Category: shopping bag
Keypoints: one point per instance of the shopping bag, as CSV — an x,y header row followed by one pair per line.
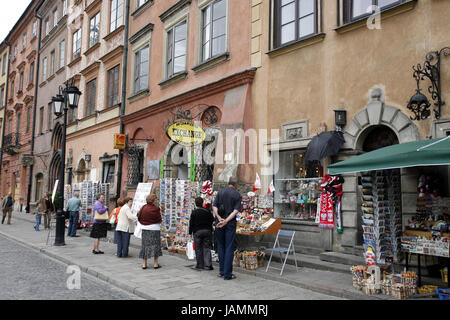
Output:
x,y
138,230
190,252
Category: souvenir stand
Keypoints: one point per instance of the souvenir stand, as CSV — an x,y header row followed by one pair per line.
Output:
x,y
88,191
427,233
255,219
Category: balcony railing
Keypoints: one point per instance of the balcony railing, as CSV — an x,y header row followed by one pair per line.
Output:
x,y
11,139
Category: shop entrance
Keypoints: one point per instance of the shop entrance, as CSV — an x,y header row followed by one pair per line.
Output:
x,y
373,138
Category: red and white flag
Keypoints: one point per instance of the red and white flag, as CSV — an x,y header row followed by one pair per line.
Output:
x,y
271,188
257,184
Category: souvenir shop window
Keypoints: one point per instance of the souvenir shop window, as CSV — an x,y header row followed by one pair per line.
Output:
x,y
297,185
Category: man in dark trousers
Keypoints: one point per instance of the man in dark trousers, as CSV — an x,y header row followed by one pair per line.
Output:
x,y
7,207
226,205
200,225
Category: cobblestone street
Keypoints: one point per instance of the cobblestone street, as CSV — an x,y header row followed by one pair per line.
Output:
x,y
28,275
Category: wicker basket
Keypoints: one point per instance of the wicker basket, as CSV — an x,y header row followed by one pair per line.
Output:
x,y
237,258
260,256
251,261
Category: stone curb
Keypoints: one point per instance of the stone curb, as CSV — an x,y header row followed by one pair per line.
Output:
x,y
340,293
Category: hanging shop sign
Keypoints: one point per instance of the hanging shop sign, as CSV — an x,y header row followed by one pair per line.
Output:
x,y
186,133
119,141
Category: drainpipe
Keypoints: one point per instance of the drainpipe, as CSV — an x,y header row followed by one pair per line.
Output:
x,y
5,107
36,87
124,93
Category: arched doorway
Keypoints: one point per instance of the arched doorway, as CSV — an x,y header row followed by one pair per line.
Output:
x,y
81,171
54,170
379,137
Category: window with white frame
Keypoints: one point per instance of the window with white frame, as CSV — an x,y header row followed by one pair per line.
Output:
x,y
91,94
176,49
62,52
141,69
21,82
140,3
24,41
64,7
214,29
31,77
94,30
47,26
34,32
15,52
44,69
357,9
55,18
76,48
116,14
52,62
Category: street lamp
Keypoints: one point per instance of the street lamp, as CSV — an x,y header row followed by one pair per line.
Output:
x,y
68,97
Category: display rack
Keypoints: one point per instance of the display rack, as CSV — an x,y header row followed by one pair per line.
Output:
x,y
297,198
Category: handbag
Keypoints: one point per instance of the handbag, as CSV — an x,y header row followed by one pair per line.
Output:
x,y
138,230
101,216
190,252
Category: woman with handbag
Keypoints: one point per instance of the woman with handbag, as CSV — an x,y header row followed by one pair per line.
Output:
x,y
150,218
100,227
124,229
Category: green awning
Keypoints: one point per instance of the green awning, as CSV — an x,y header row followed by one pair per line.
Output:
x,y
435,152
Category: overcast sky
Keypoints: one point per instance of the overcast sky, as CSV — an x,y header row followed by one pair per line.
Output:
x,y
10,12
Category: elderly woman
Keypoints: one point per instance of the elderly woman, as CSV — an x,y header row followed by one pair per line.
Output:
x,y
100,227
150,218
124,228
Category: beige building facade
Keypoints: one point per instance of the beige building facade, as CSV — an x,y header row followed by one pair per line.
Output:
x,y
4,55
95,56
313,57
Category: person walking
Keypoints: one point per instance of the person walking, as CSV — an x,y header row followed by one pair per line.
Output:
x,y
7,207
200,226
150,218
100,227
38,214
48,208
125,227
73,207
225,207
113,218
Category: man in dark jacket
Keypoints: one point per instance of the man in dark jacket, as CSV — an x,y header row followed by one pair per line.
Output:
x,y
7,207
200,225
226,206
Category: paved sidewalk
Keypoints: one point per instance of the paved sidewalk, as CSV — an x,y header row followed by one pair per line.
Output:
x,y
177,279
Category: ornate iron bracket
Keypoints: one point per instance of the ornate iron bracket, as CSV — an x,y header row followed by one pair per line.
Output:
x,y
431,70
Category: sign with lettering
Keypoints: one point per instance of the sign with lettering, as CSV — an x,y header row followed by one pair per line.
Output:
x,y
186,133
119,141
140,197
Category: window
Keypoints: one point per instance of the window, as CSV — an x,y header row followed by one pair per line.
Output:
x,y
21,82
108,172
94,30
52,62
49,117
141,69
9,126
15,52
116,14
91,92
19,119
176,49
4,64
76,50
31,73
2,96
34,33
41,120
140,3
356,9
62,52
24,41
44,69
55,18
64,8
27,129
72,113
294,20
47,26
214,29
11,93
113,86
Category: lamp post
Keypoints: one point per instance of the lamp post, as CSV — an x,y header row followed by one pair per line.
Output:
x,y
67,97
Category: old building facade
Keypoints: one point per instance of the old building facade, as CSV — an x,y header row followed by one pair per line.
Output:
x,y
22,83
95,60
4,56
314,57
52,15
188,60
